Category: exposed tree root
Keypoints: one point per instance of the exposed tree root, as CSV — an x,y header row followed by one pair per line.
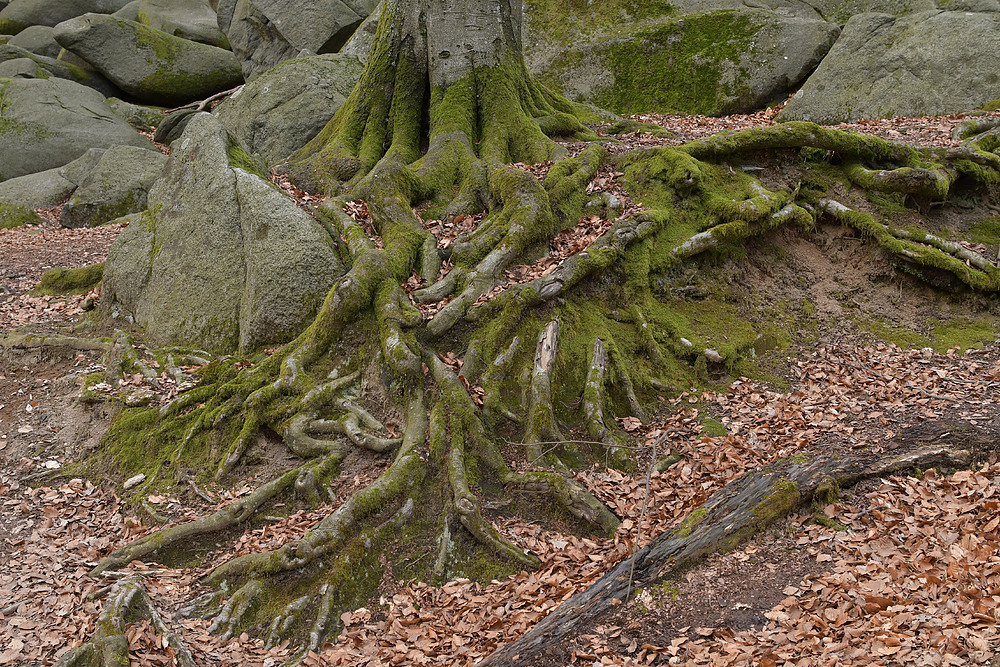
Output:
x,y
127,603
542,426
730,516
239,512
29,341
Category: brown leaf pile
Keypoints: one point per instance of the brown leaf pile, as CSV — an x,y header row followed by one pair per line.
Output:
x,y
916,582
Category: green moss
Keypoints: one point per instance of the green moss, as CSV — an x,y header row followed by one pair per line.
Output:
x,y
11,27
783,498
679,66
713,428
16,215
240,159
993,105
692,520
565,22
962,333
986,231
899,336
70,281
667,588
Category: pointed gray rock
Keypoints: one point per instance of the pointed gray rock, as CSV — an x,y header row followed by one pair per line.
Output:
x,y
116,187
254,267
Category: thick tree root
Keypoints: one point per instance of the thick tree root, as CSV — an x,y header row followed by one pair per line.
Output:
x,y
921,249
593,406
28,341
239,512
127,603
404,473
542,426
730,516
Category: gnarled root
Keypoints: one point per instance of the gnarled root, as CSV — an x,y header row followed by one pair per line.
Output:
x,y
127,603
240,511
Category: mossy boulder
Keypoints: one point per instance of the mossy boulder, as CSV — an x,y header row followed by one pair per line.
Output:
x,y
15,215
149,64
46,67
263,33
116,187
882,66
47,123
254,266
710,63
20,14
280,111
188,19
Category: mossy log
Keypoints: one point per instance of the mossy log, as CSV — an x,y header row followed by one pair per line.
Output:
x,y
729,517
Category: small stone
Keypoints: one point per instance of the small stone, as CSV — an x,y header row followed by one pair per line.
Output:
x,y
133,482
686,343
713,356
51,465
88,304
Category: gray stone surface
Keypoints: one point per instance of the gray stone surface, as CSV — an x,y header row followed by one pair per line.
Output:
x,y
930,63
20,14
50,122
253,266
729,61
38,39
277,113
361,41
141,117
116,187
150,64
189,19
263,33
46,67
42,190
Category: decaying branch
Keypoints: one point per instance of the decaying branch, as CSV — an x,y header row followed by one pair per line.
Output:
x,y
730,516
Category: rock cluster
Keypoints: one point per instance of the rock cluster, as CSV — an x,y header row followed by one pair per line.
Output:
x,y
78,78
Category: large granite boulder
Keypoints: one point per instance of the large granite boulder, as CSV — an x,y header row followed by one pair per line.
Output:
x,y
277,113
51,187
263,33
727,61
150,64
188,19
882,66
116,186
221,258
20,14
43,67
47,123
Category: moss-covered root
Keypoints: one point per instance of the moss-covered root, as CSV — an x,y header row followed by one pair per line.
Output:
x,y
920,248
239,512
542,426
404,475
917,181
447,434
531,214
237,608
567,492
495,375
127,603
593,405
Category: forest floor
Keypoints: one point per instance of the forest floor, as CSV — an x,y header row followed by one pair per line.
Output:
x,y
902,571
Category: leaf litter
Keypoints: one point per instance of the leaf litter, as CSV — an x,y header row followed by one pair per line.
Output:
x,y
915,578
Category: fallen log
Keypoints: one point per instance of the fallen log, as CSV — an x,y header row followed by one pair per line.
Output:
x,y
729,517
